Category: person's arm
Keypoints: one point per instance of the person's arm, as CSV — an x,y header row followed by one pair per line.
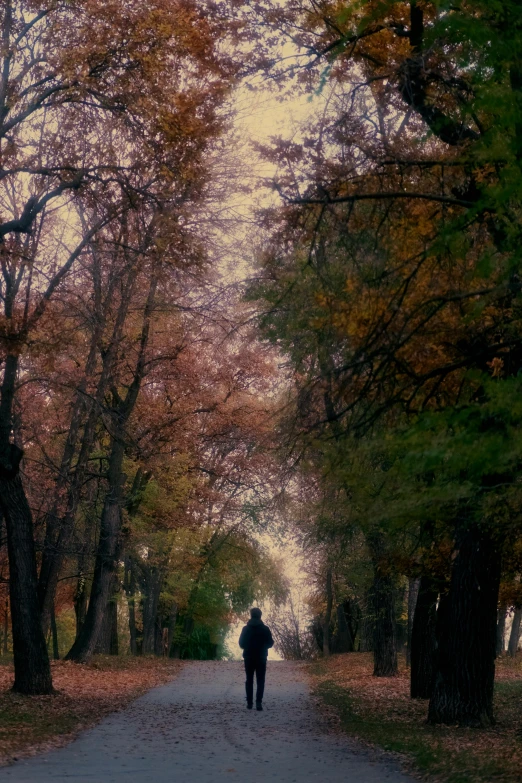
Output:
x,y
242,638
269,638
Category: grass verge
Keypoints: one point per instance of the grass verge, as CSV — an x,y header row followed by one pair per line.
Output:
x,y
380,712
84,695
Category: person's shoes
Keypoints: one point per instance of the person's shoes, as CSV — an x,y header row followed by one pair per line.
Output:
x,y
249,705
259,706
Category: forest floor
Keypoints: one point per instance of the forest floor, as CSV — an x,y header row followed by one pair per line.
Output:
x,y
197,728
380,712
84,695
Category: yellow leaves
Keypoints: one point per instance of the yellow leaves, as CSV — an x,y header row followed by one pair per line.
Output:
x,y
496,366
484,172
424,226
350,285
318,323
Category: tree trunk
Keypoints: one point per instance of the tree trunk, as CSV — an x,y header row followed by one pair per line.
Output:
x,y
413,592
129,585
183,638
366,632
80,603
59,529
158,637
54,636
514,636
113,625
172,627
465,668
31,660
103,642
107,643
328,614
110,527
151,594
106,558
344,641
5,649
423,639
133,645
384,643
501,628
188,627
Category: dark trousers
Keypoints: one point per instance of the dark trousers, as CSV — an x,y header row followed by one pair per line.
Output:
x,y
255,666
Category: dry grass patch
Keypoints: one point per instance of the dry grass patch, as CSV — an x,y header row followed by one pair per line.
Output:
x,y
84,695
380,711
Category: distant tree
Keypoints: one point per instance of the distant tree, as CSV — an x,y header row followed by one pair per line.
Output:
x,y
290,626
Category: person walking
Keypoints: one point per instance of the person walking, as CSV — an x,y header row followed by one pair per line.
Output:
x,y
255,641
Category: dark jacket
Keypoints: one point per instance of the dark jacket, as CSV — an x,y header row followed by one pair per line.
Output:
x,y
255,639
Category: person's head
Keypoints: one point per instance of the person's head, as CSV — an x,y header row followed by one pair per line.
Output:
x,y
255,613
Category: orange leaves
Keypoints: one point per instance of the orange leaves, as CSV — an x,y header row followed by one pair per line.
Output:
x,y
382,713
85,694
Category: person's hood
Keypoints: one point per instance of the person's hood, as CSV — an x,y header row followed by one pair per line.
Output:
x,y
255,621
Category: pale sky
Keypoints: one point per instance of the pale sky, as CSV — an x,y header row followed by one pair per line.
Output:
x,y
260,117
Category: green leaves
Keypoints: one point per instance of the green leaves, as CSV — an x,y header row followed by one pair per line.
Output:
x,y
428,467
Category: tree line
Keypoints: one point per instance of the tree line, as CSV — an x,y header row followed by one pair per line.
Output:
x,y
132,411
390,279
387,277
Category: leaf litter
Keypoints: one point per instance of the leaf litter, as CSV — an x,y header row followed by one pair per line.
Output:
x,y
379,710
84,695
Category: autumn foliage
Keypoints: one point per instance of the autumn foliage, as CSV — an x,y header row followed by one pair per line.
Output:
x,y
158,415
136,405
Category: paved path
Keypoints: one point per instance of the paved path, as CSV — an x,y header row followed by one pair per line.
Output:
x,y
197,730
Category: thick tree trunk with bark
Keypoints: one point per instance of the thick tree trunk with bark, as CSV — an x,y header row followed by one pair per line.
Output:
x,y
384,643
423,639
465,669
382,604
107,643
85,644
514,636
103,643
31,660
